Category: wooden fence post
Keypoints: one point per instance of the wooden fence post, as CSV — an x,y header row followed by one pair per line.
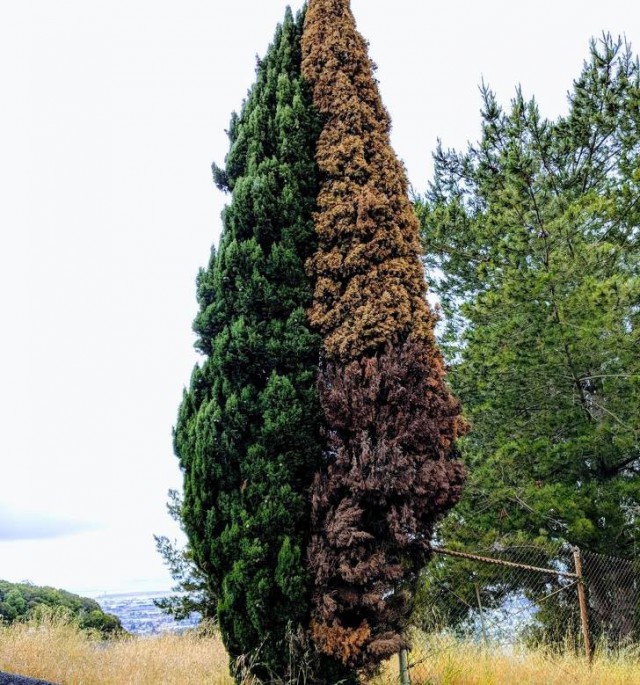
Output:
x,y
582,599
404,667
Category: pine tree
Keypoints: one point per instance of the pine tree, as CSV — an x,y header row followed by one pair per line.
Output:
x,y
389,470
248,428
535,232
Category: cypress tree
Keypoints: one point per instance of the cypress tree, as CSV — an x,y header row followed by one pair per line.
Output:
x,y
247,434
389,470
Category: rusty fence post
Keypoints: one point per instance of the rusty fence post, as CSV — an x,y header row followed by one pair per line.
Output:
x,y
404,667
582,599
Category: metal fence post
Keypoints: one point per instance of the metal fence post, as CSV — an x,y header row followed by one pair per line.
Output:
x,y
582,598
404,667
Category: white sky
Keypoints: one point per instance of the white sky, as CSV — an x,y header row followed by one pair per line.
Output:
x,y
111,115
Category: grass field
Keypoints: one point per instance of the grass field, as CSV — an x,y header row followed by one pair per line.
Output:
x,y
445,661
55,650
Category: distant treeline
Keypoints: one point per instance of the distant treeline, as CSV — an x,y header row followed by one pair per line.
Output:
x,y
20,601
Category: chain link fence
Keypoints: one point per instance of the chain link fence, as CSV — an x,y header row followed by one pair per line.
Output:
x,y
525,596
613,591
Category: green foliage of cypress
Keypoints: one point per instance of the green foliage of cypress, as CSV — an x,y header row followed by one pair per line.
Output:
x,y
247,434
194,593
535,232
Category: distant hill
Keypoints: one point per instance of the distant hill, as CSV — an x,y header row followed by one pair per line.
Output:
x,y
21,600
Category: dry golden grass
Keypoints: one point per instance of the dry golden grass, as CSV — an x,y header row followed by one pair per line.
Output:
x,y
55,650
445,661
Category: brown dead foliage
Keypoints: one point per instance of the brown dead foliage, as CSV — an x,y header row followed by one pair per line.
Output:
x,y
388,477
370,285
342,643
390,470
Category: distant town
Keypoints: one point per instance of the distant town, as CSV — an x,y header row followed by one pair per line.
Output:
x,y
140,616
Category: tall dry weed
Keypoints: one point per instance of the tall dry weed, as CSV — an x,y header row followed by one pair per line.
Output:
x,y
53,648
447,661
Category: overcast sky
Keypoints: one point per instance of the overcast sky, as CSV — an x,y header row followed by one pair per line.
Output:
x,y
111,115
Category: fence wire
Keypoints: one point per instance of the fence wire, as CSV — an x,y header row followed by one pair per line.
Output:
x,y
526,596
613,593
